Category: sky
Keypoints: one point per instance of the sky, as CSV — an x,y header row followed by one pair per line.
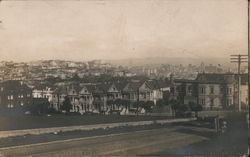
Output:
x,y
108,29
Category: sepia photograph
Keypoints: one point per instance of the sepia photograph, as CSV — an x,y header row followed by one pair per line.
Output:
x,y
83,78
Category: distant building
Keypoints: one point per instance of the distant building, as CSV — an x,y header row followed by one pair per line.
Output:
x,y
58,97
43,92
14,94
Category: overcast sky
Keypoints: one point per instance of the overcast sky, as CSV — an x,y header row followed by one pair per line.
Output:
x,y
109,29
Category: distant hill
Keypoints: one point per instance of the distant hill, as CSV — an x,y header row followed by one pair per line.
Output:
x,y
171,60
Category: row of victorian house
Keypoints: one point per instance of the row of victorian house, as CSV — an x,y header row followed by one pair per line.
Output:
x,y
83,97
210,90
96,97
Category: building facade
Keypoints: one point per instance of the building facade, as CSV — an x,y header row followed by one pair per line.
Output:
x,y
212,91
14,94
97,97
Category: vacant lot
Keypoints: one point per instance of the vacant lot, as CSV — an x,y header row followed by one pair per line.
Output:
x,y
31,122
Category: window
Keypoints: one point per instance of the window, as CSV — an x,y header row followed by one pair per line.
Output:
x,y
21,103
10,97
1,89
212,90
202,101
28,95
229,90
202,90
10,105
21,95
212,101
221,89
229,102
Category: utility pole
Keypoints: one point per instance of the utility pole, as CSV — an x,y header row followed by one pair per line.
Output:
x,y
248,32
239,59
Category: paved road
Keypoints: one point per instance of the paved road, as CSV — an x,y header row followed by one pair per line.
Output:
x,y
233,142
142,142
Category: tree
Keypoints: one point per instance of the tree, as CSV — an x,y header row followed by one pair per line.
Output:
x,y
66,104
138,104
195,107
126,104
118,102
148,106
110,103
182,110
160,103
174,105
39,106
179,109
98,105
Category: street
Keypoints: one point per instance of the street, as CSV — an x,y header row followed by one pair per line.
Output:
x,y
178,139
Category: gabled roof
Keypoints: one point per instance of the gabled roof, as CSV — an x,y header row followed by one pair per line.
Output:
x,y
133,86
157,84
90,88
14,85
121,85
103,87
76,88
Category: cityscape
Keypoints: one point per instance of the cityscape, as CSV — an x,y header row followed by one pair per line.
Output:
x,y
124,78
92,86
